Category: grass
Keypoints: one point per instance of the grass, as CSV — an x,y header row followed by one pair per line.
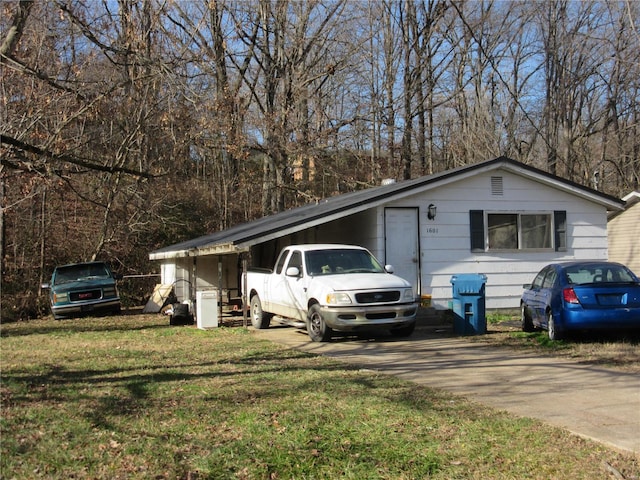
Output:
x,y
616,350
132,397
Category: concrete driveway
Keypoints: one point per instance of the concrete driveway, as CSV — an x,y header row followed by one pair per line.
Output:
x,y
590,401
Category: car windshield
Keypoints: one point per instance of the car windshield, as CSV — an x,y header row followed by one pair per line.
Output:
x,y
73,273
338,261
598,273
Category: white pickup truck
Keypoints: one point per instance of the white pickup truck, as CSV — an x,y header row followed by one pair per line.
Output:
x,y
331,287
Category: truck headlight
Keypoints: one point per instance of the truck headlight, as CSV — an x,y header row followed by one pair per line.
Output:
x,y
409,295
109,292
60,297
338,299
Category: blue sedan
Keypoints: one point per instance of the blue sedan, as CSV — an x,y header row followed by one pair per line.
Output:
x,y
575,296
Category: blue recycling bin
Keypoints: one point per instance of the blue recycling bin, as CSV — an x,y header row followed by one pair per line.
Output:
x,y
469,304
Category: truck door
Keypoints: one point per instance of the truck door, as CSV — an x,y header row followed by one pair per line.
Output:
x,y
286,292
273,289
295,288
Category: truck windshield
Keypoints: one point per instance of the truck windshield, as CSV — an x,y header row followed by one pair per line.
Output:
x,y
338,261
73,273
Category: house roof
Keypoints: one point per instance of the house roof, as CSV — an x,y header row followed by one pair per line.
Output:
x,y
241,237
630,199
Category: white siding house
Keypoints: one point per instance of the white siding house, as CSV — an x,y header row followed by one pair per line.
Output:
x,y
505,201
500,218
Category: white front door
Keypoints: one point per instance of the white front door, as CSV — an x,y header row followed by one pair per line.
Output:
x,y
402,244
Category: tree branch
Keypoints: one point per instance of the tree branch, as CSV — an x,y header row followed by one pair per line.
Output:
x,y
28,148
15,31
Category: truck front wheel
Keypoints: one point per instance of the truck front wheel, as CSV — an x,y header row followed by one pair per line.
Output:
x,y
259,319
316,327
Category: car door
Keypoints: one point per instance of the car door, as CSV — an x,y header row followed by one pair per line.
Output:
x,y
546,293
536,298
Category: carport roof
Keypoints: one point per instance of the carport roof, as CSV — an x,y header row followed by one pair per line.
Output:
x,y
241,237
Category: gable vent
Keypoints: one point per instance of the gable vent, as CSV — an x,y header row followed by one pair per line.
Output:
x,y
496,186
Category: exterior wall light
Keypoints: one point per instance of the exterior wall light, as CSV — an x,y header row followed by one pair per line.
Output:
x,y
431,212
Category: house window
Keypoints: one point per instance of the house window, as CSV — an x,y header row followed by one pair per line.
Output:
x,y
517,231
503,231
535,230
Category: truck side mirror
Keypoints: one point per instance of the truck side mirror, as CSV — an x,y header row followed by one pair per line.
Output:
x,y
388,268
292,272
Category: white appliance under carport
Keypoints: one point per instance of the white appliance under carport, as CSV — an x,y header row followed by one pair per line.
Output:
x,y
207,309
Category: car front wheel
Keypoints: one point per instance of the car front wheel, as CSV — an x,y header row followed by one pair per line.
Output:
x,y
317,329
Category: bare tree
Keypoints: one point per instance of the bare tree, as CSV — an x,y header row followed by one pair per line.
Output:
x,y
82,131
408,27
432,60
7,49
203,30
391,56
620,141
290,56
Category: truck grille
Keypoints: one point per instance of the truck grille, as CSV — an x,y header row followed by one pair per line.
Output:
x,y
85,295
378,297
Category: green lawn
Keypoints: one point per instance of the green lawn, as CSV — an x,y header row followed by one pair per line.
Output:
x,y
132,397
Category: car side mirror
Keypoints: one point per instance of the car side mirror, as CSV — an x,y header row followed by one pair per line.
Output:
x,y
388,268
527,286
292,272
118,276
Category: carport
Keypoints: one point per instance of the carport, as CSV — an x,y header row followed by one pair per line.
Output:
x,y
219,261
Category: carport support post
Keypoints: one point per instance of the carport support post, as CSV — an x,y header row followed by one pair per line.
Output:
x,y
245,300
220,288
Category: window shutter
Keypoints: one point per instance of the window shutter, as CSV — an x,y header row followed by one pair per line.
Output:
x,y
476,223
560,225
